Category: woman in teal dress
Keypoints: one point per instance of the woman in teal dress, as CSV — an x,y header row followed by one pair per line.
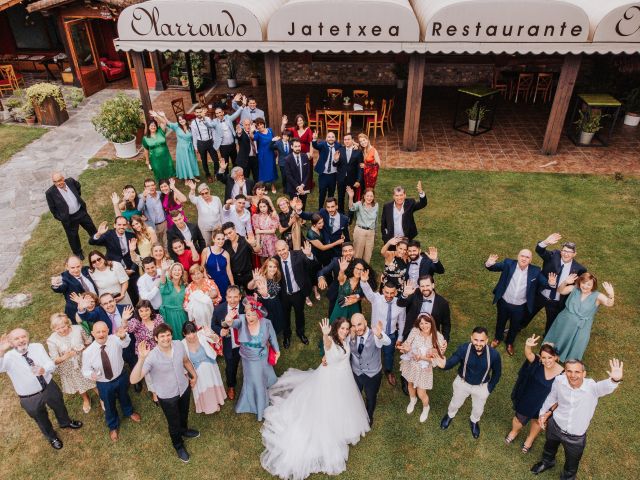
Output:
x,y
571,329
186,162
349,292
156,152
172,291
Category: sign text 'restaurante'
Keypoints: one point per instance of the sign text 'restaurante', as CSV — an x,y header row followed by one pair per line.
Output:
x,y
502,32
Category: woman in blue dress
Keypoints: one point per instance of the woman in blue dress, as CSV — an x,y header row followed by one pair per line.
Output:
x,y
186,162
217,263
571,329
263,137
256,337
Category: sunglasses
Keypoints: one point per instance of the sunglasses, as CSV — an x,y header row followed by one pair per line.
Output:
x,y
96,260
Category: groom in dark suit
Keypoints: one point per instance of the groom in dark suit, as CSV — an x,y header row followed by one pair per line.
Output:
x,y
297,170
350,169
230,346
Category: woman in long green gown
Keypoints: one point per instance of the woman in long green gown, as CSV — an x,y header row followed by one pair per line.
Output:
x,y
156,152
172,290
571,329
186,161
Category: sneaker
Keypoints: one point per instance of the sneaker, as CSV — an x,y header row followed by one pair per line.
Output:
x,y
182,454
424,414
412,404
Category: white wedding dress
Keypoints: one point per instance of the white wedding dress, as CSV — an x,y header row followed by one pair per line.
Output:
x,y
313,417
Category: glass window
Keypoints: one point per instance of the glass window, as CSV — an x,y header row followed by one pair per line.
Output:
x,y
33,31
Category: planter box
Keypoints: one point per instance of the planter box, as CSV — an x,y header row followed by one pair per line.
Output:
x,y
49,113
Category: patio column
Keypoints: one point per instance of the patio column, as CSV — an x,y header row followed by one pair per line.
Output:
x,y
414,102
143,88
561,100
157,69
274,91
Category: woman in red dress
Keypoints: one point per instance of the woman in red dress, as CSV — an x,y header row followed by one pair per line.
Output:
x,y
305,135
371,161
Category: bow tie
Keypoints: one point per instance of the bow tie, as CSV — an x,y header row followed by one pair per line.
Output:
x,y
252,111
414,263
427,300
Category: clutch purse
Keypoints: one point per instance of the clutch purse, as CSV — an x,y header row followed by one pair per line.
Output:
x,y
271,357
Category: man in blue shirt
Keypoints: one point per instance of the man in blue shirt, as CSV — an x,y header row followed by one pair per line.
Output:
x,y
479,370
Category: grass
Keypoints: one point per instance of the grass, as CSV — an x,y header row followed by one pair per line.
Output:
x,y
470,214
14,138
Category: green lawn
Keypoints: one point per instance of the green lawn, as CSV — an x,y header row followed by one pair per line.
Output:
x,y
14,138
470,214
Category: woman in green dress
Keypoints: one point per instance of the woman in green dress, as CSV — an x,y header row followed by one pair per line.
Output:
x,y
156,152
172,291
349,292
571,329
186,161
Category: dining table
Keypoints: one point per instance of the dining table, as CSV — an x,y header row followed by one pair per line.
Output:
x,y
348,110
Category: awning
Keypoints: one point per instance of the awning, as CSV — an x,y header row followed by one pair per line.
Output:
x,y
4,4
47,4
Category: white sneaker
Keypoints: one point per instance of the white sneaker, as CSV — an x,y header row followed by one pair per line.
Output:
x,y
412,404
424,414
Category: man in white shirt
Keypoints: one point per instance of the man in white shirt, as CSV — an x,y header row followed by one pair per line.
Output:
x,y
239,215
31,371
149,283
567,412
150,204
203,137
385,309
102,362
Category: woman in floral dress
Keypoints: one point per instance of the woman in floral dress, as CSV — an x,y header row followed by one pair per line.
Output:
x,y
265,225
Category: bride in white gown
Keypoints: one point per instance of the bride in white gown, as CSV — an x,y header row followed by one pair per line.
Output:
x,y
315,414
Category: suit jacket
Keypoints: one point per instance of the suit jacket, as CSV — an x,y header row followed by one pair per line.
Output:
x,y
111,242
216,126
196,237
244,149
427,267
323,154
278,147
352,171
57,205
330,273
408,222
292,172
300,265
440,312
229,183
508,266
71,285
219,314
552,262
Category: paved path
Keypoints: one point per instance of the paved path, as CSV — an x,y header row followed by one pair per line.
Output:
x,y
27,175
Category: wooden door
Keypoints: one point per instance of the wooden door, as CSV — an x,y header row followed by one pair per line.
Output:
x,y
84,55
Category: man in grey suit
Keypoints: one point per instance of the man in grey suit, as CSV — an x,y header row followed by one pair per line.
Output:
x,y
366,364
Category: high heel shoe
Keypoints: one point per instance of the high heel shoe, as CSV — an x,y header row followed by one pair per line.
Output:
x,y
86,407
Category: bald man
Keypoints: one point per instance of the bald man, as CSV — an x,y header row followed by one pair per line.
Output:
x,y
31,370
514,295
68,207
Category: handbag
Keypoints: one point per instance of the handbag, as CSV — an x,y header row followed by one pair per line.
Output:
x,y
271,357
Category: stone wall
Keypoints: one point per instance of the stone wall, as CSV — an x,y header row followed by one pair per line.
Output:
x,y
456,74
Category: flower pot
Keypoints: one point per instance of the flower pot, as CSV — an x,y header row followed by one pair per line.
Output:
x,y
127,149
586,137
232,82
473,124
31,120
632,119
185,82
5,115
400,83
49,112
255,81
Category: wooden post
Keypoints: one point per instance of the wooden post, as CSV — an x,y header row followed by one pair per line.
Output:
x,y
561,99
192,87
157,69
414,102
143,88
274,91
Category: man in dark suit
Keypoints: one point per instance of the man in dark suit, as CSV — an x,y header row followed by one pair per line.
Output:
x,y
297,170
232,307
562,263
185,231
397,216
75,279
282,148
350,169
295,287
514,294
118,243
325,167
247,152
235,183
422,298
422,264
68,207
336,225
328,275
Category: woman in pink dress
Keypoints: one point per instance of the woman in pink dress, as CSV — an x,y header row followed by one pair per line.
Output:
x,y
265,225
172,199
372,161
305,135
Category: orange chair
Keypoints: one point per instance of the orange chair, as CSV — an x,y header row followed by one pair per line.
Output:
x,y
314,121
543,86
360,95
378,123
498,83
524,85
334,93
389,119
9,79
333,122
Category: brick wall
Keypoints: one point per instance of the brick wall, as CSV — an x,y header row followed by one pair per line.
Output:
x,y
455,74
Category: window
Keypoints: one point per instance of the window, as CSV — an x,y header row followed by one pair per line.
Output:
x,y
33,31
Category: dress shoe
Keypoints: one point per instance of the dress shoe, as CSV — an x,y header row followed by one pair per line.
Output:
x,y
510,350
495,343
405,387
231,393
303,339
135,417
475,428
391,378
210,180
113,435
541,467
56,443
81,257
191,433
137,387
286,343
182,454
73,424
425,413
445,422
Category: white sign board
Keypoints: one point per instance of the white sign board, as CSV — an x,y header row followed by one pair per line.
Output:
x,y
620,25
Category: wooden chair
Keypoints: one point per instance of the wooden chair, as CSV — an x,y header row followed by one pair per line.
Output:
x,y
9,79
314,121
499,84
334,93
202,99
543,86
177,106
389,119
374,124
333,122
524,85
360,96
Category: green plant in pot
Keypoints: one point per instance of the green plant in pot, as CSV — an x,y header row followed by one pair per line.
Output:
x,y
184,79
48,102
476,113
255,66
118,121
232,69
26,113
589,124
632,107
401,71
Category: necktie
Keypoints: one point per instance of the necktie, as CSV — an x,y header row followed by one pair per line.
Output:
x,y
287,277
299,163
554,290
388,329
361,346
253,148
348,154
112,317
331,219
41,380
234,310
286,148
85,287
106,363
123,245
327,168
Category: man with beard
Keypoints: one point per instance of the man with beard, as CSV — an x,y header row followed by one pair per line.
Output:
x,y
325,167
479,370
422,264
329,275
240,253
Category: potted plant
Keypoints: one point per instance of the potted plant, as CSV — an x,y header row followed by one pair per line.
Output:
x,y
118,120
255,65
13,105
632,108
26,113
232,70
475,115
184,80
48,103
588,125
401,71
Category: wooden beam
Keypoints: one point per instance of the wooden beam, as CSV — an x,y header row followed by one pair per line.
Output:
x,y
561,100
414,102
192,87
157,69
274,90
143,88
